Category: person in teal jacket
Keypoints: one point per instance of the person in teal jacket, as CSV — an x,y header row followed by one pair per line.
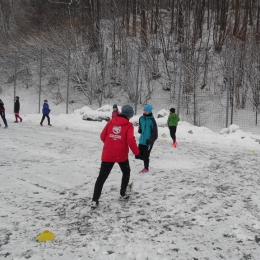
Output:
x,y
149,133
172,122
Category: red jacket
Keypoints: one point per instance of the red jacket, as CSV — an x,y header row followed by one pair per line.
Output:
x,y
115,113
117,136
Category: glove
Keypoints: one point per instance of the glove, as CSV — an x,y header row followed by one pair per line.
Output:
x,y
139,130
138,156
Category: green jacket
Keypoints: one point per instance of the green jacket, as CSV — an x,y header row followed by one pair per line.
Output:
x,y
173,119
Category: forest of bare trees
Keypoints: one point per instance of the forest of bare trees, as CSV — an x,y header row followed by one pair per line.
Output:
x,y
198,29
83,22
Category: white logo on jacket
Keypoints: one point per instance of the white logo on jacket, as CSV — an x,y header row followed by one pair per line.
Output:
x,y
116,130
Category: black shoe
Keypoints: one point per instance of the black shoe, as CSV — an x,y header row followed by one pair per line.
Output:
x,y
124,198
94,204
21,120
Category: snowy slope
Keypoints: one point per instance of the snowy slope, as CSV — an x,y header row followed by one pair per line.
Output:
x,y
199,201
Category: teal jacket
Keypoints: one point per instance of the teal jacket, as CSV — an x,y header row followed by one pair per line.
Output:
x,y
147,129
173,119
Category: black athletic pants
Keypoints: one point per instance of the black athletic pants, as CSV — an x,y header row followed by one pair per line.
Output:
x,y
173,132
145,151
43,117
105,169
3,117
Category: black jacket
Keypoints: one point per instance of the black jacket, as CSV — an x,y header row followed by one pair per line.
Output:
x,y
2,108
17,106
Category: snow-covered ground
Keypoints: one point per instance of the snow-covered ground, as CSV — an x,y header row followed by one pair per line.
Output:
x,y
199,201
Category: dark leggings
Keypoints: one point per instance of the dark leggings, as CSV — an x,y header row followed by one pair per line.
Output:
x,y
43,117
3,117
145,151
105,169
173,132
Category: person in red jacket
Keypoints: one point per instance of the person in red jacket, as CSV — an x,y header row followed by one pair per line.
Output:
x,y
118,136
115,111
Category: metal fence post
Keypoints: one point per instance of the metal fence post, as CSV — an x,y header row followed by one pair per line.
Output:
x,y
68,84
137,79
103,78
229,82
179,94
15,72
40,82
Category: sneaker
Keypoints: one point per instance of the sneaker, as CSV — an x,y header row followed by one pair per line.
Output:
x,y
144,170
15,121
41,125
124,198
50,125
21,120
174,144
6,126
94,204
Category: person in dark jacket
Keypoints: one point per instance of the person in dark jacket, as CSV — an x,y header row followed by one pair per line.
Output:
x,y
115,111
17,110
149,133
172,123
2,113
117,136
45,112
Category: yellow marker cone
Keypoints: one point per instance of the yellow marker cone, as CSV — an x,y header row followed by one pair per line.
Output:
x,y
45,236
253,151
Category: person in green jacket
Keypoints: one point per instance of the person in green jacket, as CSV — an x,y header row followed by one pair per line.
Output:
x,y
172,122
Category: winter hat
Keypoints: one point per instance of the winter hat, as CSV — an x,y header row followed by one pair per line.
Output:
x,y
17,97
172,110
115,106
148,108
127,111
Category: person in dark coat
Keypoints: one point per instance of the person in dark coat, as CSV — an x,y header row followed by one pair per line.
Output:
x,y
2,113
17,110
149,133
45,112
115,111
117,136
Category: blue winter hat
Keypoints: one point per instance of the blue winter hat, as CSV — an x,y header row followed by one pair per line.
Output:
x,y
148,108
127,111
115,106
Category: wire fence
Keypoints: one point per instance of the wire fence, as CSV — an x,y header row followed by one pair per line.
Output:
x,y
207,88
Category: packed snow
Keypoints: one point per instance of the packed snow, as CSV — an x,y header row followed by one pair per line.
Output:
x,y
199,201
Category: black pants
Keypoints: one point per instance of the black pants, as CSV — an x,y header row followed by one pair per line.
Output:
x,y
105,169
43,117
173,132
3,117
145,151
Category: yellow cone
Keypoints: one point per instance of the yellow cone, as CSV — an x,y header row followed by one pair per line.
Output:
x,y
45,236
253,151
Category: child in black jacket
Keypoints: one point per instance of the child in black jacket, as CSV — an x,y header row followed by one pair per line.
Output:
x,y
2,113
17,109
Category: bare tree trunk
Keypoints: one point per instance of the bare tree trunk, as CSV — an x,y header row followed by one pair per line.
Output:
x,y
180,21
144,42
134,17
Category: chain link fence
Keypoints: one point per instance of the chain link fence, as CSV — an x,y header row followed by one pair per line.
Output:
x,y
207,88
